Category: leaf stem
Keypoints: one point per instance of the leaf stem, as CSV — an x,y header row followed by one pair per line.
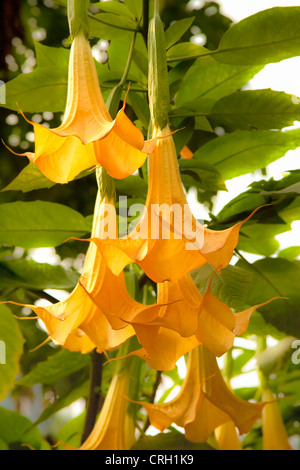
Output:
x,y
113,100
129,60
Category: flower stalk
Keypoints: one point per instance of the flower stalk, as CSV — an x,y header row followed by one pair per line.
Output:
x,y
78,17
159,95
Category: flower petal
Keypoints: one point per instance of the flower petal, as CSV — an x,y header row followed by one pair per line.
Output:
x,y
227,437
162,347
274,433
111,429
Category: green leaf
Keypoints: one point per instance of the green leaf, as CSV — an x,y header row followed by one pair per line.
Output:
x,y
3,445
275,277
177,30
16,428
62,402
47,56
118,54
255,109
71,432
136,6
11,349
116,20
293,189
268,36
243,203
140,107
242,152
272,358
110,26
132,186
241,360
259,238
202,175
44,89
231,286
57,366
291,212
211,80
39,224
115,7
290,253
260,327
29,179
32,275
169,441
262,192
185,51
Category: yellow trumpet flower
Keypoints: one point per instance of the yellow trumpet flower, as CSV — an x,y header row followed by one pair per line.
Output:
x,y
88,136
204,402
168,241
91,316
183,320
227,437
114,428
274,433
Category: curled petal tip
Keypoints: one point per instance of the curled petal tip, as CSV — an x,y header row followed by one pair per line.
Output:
x,y
29,155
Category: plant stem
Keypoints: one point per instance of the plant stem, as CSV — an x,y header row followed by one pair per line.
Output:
x,y
261,346
43,295
94,401
129,59
145,20
113,100
152,398
228,366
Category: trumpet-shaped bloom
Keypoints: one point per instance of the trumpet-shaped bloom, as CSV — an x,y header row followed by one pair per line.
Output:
x,y
168,241
204,402
80,323
87,136
184,320
114,428
274,433
227,437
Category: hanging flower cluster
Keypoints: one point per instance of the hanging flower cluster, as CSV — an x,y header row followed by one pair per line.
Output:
x,y
167,243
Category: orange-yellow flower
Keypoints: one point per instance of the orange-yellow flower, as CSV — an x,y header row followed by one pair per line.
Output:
x,y
227,437
274,433
204,402
78,323
184,319
88,136
114,428
168,241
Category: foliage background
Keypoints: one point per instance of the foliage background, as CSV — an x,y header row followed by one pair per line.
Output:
x,y
232,133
